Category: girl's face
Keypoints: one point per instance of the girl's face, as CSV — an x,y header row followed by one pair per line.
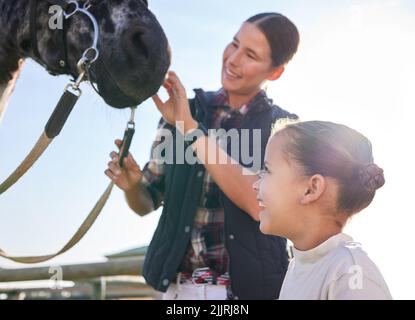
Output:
x,y
279,191
247,61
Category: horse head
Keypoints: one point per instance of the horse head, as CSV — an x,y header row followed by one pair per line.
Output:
x,y
133,49
117,44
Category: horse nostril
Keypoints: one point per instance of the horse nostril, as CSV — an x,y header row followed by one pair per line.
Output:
x,y
137,39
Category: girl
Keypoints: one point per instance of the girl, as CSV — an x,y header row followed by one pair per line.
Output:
x,y
316,176
206,243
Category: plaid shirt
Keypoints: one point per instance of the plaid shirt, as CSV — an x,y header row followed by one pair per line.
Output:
x,y
207,245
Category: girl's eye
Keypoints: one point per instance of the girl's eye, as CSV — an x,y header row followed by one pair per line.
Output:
x,y
251,56
234,44
266,169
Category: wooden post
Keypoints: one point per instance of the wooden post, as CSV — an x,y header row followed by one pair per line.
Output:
x,y
113,267
99,289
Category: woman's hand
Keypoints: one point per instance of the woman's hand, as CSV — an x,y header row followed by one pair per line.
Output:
x,y
126,177
176,110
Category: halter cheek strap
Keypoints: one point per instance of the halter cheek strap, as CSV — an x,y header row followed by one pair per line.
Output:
x,y
62,65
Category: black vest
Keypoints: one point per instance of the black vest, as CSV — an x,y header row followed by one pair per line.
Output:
x,y
257,262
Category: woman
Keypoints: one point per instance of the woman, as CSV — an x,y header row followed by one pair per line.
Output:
x,y
208,244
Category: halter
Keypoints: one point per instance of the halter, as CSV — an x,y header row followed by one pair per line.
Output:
x,y
69,8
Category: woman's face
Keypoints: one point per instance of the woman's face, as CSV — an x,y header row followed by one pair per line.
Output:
x,y
279,191
246,61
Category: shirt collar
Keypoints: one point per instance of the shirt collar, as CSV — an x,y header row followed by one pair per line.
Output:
x,y
221,98
315,254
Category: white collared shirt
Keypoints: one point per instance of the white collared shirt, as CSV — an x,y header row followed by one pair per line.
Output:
x,y
337,269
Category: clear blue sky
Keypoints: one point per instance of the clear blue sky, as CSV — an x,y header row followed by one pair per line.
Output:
x,y
355,65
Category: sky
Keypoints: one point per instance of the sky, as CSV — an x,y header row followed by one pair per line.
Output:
x,y
354,66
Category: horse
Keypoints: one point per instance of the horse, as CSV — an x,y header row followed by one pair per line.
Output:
x,y
133,48
118,45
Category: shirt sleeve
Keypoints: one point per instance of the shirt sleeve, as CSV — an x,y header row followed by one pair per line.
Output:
x,y
153,171
347,288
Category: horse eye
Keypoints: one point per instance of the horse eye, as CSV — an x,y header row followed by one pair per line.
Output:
x,y
145,2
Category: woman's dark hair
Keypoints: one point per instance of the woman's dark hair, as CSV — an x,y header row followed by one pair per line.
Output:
x,y
336,151
282,35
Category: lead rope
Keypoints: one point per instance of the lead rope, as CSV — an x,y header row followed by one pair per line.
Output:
x,y
92,216
66,102
52,129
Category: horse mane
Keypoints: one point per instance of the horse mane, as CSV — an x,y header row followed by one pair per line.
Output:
x,y
6,90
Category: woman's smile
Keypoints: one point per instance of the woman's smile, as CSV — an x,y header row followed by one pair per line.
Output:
x,y
231,75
